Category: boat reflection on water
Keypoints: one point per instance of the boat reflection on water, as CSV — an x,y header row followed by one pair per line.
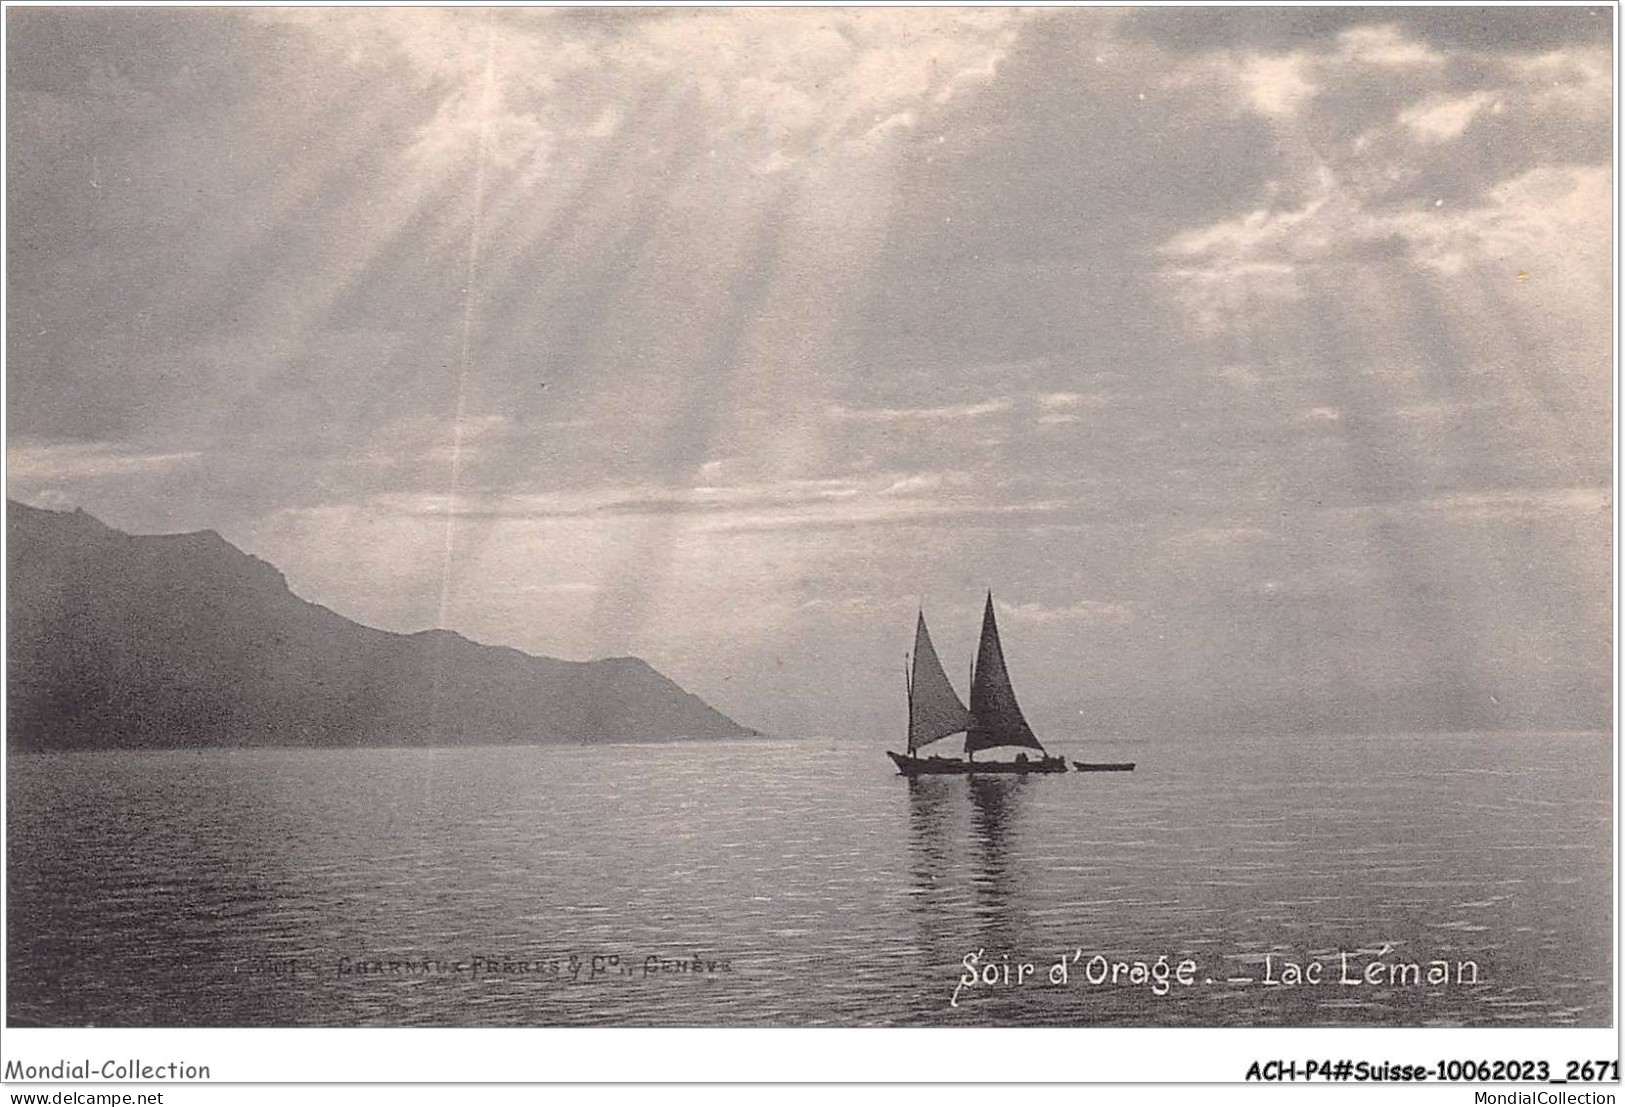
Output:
x,y
996,806
961,868
931,805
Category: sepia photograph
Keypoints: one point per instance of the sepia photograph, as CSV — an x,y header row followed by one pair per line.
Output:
x,y
788,517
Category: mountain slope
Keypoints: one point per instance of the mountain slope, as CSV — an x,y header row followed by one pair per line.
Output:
x,y
184,640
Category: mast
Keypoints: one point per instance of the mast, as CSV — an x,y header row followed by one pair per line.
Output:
x,y
908,690
970,753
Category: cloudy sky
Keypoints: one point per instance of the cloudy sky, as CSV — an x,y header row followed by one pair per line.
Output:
x,y
1259,361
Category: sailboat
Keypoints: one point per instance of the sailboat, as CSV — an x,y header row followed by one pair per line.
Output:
x,y
992,721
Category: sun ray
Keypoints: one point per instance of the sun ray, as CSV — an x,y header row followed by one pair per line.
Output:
x,y
308,183
465,353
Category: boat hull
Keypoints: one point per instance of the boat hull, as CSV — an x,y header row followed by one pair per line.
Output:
x,y
1103,766
945,766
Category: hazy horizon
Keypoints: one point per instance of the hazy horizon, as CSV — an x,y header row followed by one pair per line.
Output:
x,y
1258,360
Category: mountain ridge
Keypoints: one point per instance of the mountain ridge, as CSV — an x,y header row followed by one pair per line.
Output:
x,y
119,640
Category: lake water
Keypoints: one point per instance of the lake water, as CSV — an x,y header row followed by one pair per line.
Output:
x,y
812,884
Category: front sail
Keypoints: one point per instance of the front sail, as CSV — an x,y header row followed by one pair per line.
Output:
x,y
998,719
934,708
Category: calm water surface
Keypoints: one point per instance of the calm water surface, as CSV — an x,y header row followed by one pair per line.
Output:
x,y
229,887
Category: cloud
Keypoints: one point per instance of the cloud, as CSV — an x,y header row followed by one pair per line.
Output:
x,y
1057,401
1065,408
1501,504
1088,611
1218,537
1541,214
1444,118
1282,86
1277,85
1380,170
833,502
1385,45
946,413
63,475
791,82
1459,29
1380,109
29,461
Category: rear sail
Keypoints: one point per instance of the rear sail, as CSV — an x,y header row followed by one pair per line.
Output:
x,y
934,708
997,718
